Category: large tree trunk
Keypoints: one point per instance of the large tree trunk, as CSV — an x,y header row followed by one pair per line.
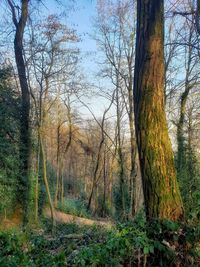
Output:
x,y
24,150
161,191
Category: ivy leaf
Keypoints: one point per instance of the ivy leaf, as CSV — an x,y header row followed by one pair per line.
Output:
x,y
146,250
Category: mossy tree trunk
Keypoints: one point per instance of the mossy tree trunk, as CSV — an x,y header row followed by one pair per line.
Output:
x,y
161,191
24,148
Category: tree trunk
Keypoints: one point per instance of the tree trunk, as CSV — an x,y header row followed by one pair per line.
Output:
x,y
91,195
161,191
181,153
58,168
98,162
24,149
133,173
37,181
46,179
103,207
62,185
120,156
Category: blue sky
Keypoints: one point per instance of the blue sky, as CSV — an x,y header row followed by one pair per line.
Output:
x,y
80,18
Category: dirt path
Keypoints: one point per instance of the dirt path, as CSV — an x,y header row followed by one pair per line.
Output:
x,y
67,218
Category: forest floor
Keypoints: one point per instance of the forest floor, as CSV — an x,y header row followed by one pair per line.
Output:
x,y
62,217
78,241
9,223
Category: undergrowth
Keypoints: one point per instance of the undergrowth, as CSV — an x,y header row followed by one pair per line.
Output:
x,y
135,243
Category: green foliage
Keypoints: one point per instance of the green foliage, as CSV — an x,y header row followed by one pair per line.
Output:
x,y
42,252
117,196
103,208
42,194
74,207
9,137
19,249
11,252
120,246
189,180
160,243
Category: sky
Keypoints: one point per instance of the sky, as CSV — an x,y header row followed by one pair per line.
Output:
x,y
81,17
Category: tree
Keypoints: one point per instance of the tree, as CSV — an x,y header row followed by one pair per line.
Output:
x,y
115,37
99,153
24,153
161,191
189,84
51,61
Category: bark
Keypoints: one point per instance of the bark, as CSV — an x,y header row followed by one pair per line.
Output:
x,y
24,149
161,190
